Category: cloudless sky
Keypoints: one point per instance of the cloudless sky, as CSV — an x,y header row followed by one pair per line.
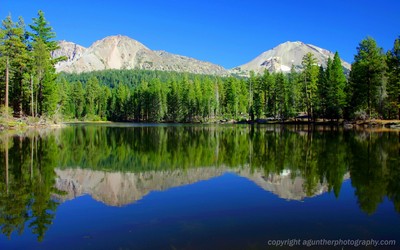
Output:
x,y
228,33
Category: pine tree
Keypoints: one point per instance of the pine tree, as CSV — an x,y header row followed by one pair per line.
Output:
x,y
393,87
268,93
231,97
121,96
92,96
366,77
190,101
294,91
103,102
64,91
174,103
243,105
157,101
208,101
199,98
14,57
77,99
256,96
310,87
50,93
323,88
336,95
43,31
43,64
281,101
41,59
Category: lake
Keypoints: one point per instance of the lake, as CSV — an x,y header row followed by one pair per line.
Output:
x,y
147,186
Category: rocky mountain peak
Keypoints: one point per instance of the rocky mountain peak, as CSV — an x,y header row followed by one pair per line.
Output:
x,y
70,50
122,52
116,41
282,57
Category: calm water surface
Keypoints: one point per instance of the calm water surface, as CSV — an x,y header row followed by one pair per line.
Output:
x,y
197,187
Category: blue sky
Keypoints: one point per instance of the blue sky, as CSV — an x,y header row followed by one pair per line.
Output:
x,y
228,33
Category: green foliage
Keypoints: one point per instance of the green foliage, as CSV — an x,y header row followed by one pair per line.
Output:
x,y
42,31
174,104
317,157
373,168
50,94
27,188
281,97
294,93
158,96
27,183
195,98
43,65
336,95
367,78
309,79
92,95
331,88
64,94
256,102
323,89
26,59
232,97
77,99
14,60
393,83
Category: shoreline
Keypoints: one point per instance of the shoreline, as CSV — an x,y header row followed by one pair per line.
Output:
x,y
389,124
19,126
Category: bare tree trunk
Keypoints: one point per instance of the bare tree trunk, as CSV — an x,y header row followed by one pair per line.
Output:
x,y
40,100
36,104
32,103
6,94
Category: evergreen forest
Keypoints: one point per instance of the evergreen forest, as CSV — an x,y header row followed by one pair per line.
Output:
x,y
30,87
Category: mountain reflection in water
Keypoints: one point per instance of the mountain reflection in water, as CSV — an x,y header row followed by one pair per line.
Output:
x,y
119,165
119,189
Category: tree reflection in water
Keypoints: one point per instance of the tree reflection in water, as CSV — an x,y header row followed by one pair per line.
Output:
x,y
27,185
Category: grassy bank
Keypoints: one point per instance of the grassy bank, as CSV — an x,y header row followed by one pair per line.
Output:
x,y
24,123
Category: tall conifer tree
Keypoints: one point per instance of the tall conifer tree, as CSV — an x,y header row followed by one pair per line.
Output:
x,y
393,87
310,86
44,71
336,95
367,76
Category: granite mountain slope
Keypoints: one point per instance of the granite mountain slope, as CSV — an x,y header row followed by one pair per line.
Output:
x,y
282,57
122,52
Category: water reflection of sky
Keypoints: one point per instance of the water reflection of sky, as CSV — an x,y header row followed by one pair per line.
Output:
x,y
226,212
